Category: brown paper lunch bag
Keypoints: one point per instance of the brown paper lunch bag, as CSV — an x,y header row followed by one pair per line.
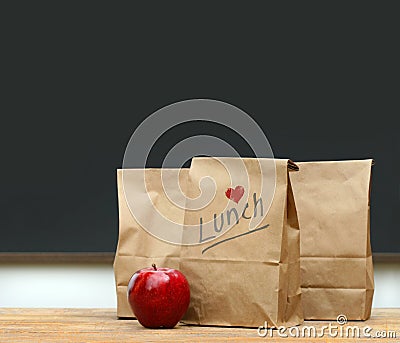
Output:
x,y
244,278
333,207
137,248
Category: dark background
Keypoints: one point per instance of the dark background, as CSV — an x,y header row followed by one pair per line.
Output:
x,y
321,81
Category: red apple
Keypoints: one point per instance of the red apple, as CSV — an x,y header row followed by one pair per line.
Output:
x,y
159,297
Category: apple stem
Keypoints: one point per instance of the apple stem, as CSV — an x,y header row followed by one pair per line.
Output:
x,y
154,266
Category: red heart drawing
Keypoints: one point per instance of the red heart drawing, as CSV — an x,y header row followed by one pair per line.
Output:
x,y
235,194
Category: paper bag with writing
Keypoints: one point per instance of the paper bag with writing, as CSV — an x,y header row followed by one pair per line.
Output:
x,y
333,204
137,248
243,277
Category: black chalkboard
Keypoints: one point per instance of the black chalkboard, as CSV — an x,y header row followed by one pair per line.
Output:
x,y
78,84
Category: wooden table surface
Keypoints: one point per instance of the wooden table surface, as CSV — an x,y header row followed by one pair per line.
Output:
x,y
102,325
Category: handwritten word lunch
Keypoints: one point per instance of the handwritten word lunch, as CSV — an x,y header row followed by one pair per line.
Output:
x,y
231,216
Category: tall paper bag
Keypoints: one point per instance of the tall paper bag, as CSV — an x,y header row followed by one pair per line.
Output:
x,y
243,278
333,205
136,247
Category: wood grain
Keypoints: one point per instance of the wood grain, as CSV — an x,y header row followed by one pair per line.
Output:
x,y
102,325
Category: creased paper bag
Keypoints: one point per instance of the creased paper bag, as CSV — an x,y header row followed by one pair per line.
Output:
x,y
333,206
137,248
243,278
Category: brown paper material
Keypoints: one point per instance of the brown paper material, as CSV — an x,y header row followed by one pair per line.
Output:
x,y
244,278
333,205
243,281
137,248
